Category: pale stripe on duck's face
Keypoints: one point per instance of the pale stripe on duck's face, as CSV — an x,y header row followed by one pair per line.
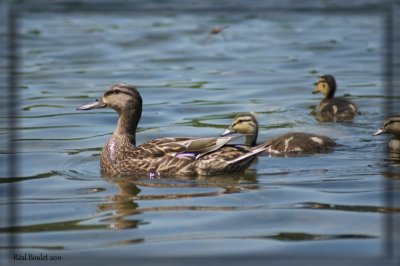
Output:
x,y
395,119
392,125
122,88
121,95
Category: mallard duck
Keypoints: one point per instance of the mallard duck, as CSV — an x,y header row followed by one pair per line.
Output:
x,y
392,126
333,108
175,156
286,144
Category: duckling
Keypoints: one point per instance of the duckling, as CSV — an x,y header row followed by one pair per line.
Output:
x,y
333,108
286,144
174,156
392,126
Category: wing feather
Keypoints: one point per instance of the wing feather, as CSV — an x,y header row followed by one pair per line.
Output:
x,y
175,146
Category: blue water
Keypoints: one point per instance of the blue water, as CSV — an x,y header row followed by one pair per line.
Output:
x,y
193,84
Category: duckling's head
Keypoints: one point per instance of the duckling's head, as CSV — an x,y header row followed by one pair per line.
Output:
x,y
391,125
123,98
327,85
245,124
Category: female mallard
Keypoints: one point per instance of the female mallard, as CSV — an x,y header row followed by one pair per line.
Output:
x,y
287,144
170,156
392,126
333,108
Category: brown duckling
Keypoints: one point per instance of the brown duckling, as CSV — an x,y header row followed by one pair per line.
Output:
x,y
175,156
392,126
287,144
333,108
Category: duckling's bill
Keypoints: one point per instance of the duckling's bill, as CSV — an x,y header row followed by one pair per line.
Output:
x,y
315,91
227,132
317,88
379,132
94,105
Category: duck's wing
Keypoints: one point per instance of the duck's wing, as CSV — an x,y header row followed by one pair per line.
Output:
x,y
182,146
228,159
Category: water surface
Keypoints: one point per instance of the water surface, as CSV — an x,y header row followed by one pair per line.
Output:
x,y
193,85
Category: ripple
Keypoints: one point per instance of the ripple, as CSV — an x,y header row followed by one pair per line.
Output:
x,y
81,168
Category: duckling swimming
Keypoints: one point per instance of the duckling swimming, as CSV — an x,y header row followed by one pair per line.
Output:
x,y
288,144
175,156
392,126
333,108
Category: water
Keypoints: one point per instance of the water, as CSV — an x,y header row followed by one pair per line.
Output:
x,y
193,85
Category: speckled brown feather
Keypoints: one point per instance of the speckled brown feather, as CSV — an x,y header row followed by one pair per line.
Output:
x,y
298,142
338,107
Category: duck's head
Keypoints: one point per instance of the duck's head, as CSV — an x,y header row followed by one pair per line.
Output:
x,y
245,124
121,97
126,100
391,125
326,85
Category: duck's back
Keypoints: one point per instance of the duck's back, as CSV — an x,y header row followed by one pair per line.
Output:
x,y
339,107
297,142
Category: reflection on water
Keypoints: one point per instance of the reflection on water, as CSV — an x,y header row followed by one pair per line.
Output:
x,y
394,157
123,204
392,162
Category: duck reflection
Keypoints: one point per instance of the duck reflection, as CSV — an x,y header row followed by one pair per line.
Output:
x,y
394,158
392,165
125,205
122,205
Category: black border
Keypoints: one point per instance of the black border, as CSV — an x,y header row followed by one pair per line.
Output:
x,y
390,12
12,112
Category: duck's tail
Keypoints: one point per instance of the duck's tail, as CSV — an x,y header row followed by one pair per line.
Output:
x,y
254,151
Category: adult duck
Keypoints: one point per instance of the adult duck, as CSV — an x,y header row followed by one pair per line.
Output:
x,y
174,156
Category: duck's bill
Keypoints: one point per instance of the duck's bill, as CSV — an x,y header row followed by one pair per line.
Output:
x,y
315,91
380,131
95,105
227,132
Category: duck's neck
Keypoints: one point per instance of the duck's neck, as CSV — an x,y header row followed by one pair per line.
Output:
x,y
330,94
251,139
127,125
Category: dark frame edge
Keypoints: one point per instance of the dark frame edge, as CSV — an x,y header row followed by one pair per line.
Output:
x,y
391,68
